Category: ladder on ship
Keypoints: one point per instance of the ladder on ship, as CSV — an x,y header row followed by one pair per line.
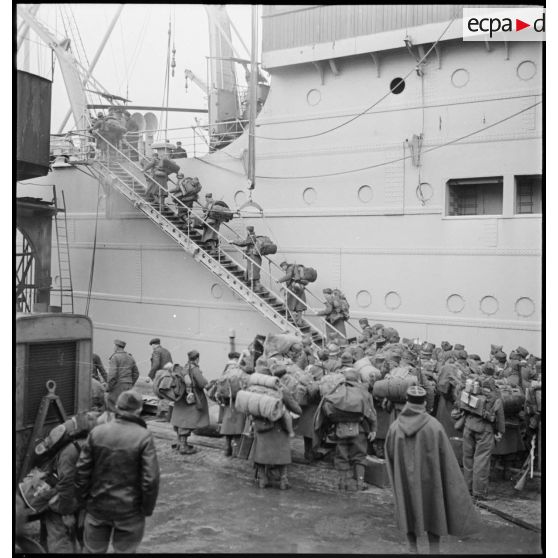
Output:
x,y
127,177
65,288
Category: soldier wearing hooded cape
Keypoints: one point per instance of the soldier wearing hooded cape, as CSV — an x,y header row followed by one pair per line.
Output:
x,y
429,489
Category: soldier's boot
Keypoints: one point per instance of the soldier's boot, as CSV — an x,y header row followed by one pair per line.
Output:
x,y
308,451
284,481
261,473
183,445
359,472
228,446
184,448
343,482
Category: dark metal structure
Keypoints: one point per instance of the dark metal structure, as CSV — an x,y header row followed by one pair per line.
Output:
x,y
33,254
33,125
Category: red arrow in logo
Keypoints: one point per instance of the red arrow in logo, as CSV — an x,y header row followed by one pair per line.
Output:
x,y
519,25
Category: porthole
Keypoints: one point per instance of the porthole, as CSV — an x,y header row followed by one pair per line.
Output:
x,y
424,192
309,196
397,86
524,307
364,299
392,300
489,305
365,193
216,290
455,303
313,97
460,78
526,70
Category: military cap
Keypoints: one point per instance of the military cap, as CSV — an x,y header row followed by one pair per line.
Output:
x,y
155,341
119,343
351,340
250,228
377,327
233,354
363,321
500,355
427,348
514,355
283,263
416,394
323,354
446,345
380,340
333,349
522,351
193,355
346,359
327,291
461,354
209,195
475,357
458,347
129,401
488,369
495,348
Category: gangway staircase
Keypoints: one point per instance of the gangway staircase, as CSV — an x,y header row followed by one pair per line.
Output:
x,y
127,177
65,288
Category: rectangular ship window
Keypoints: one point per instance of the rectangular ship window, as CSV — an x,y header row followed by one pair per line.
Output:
x,y
475,196
528,194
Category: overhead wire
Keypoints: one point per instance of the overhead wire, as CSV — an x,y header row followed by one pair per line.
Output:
x,y
399,159
365,111
92,269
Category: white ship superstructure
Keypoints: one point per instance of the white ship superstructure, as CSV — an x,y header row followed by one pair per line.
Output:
x,y
423,204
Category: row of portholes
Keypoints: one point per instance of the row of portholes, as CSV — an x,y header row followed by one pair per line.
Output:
x,y
455,303
524,306
310,195
525,71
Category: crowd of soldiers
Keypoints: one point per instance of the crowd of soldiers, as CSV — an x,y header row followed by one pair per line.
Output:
x,y
93,489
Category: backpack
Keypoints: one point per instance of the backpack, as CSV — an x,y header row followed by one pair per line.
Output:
x,y
265,246
220,211
341,304
307,273
169,385
345,403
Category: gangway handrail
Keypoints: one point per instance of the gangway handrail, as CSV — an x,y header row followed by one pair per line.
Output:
x,y
190,213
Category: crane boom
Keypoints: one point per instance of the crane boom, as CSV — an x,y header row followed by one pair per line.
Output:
x,y
188,74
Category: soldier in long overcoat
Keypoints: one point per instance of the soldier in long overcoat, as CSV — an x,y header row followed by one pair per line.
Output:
x,y
271,450
123,374
233,421
187,417
253,258
296,287
429,490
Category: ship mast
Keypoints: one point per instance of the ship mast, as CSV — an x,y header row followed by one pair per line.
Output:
x,y
253,100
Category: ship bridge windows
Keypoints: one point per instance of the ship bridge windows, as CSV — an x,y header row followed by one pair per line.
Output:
x,y
475,196
528,194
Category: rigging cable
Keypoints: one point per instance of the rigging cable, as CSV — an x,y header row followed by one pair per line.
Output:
x,y
434,148
373,105
90,287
